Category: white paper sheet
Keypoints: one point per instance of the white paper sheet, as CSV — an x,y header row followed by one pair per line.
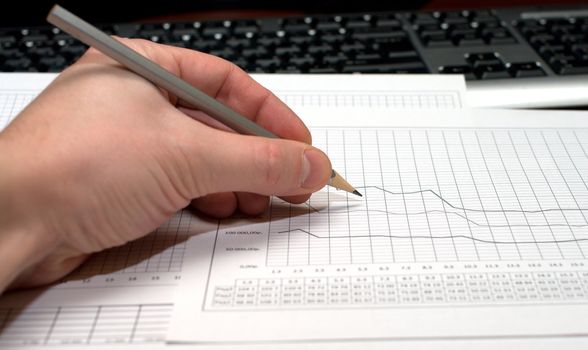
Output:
x,y
473,224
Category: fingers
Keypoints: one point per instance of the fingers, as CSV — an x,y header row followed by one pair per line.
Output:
x,y
218,205
223,162
224,204
297,199
223,81
252,203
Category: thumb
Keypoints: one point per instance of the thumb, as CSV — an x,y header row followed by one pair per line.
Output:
x,y
260,165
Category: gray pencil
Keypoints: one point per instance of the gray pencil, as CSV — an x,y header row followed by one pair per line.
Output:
x,y
92,36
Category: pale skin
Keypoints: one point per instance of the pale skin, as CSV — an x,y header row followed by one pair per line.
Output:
x,y
103,157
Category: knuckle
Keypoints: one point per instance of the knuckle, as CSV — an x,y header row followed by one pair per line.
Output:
x,y
269,161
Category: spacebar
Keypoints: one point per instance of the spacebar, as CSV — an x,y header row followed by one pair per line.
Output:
x,y
383,67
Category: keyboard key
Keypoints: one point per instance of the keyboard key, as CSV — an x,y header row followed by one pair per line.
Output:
x,y
7,40
238,43
491,71
332,38
18,64
440,41
373,33
423,19
502,41
246,29
302,40
357,24
328,26
73,51
461,69
541,39
270,25
455,69
525,70
335,59
456,20
583,47
561,59
205,45
215,31
573,68
384,67
463,32
288,50
368,58
258,51
37,38
489,63
320,49
302,61
403,55
494,75
388,22
11,53
269,41
184,31
41,51
52,64
326,70
433,33
296,28
470,41
354,47
480,56
148,33
269,62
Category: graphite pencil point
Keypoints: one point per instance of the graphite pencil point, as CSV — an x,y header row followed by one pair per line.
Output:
x,y
356,192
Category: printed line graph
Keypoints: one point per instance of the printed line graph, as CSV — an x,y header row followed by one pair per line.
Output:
x,y
441,237
312,209
441,195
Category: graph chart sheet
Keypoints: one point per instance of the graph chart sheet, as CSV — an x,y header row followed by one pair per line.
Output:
x,y
479,229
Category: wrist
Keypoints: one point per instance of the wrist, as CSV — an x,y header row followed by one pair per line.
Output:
x,y
23,242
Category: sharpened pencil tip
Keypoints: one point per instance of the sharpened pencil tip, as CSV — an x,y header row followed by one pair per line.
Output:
x,y
355,192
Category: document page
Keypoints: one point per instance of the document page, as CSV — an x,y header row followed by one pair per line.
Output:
x,y
472,223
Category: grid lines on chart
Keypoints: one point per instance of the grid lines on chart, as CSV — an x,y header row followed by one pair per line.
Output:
x,y
161,251
84,325
373,99
441,195
12,103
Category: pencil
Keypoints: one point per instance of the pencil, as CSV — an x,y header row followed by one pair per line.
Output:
x,y
139,64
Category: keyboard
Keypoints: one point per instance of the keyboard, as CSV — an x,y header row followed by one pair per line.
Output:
x,y
495,49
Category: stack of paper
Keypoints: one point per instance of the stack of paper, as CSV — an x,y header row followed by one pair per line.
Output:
x,y
472,228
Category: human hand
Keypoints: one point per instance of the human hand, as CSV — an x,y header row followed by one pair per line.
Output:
x,y
103,157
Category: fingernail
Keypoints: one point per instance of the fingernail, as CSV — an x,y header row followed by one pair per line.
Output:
x,y
312,172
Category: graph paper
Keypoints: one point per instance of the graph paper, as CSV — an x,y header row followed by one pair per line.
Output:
x,y
464,214
85,325
442,195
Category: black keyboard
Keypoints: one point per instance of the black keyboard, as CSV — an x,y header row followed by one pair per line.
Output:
x,y
484,45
